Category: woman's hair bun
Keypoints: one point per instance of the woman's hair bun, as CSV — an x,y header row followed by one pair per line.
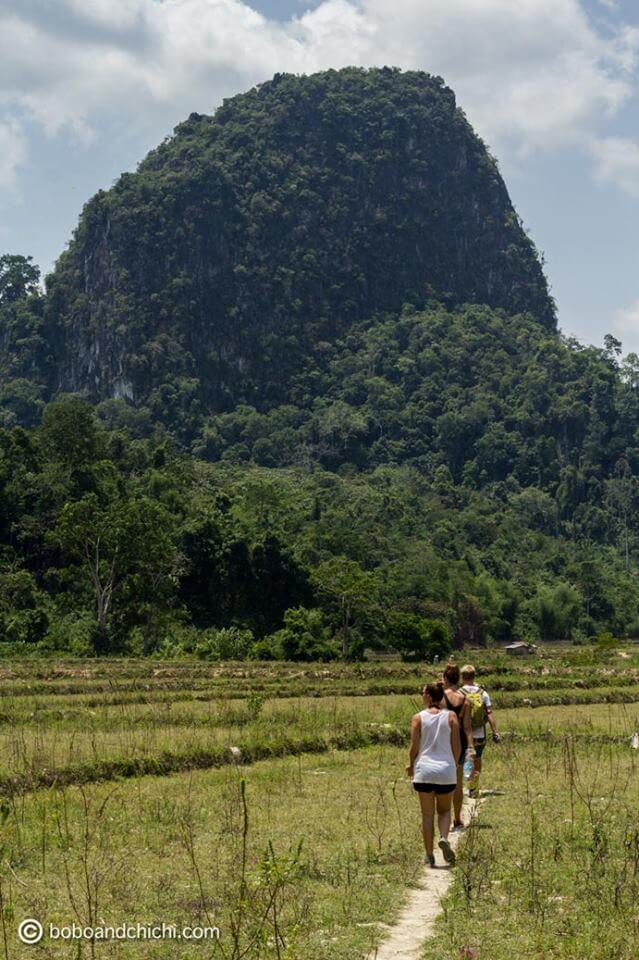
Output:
x,y
451,672
435,691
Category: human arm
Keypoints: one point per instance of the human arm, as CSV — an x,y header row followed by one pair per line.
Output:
x,y
415,735
455,739
490,717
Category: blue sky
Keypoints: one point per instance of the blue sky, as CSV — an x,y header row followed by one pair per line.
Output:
x,y
88,86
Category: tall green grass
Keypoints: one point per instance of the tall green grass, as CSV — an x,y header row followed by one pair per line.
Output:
x,y
551,868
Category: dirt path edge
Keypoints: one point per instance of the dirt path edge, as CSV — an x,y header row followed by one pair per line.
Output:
x,y
405,939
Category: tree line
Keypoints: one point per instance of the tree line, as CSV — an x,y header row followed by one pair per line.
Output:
x,y
115,544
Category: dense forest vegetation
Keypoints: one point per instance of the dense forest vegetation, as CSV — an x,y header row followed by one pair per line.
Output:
x,y
248,242
459,477
295,390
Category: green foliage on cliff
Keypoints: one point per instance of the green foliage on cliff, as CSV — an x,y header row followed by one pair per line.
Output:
x,y
25,353
250,241
483,395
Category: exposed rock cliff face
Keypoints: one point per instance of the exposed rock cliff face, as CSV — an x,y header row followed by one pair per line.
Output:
x,y
253,237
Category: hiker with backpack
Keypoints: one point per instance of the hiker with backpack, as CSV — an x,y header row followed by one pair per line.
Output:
x,y
457,701
481,712
432,766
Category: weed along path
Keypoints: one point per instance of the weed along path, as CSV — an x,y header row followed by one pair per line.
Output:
x,y
405,939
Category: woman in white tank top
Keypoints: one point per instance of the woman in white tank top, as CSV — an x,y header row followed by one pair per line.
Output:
x,y
432,766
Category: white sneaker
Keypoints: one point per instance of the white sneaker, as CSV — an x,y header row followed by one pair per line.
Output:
x,y
447,850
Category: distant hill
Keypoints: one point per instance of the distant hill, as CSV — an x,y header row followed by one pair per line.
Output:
x,y
251,239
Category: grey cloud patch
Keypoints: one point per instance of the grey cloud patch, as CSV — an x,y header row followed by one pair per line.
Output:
x,y
77,25
617,162
13,150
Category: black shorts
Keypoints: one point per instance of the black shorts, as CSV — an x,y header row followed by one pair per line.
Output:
x,y
439,788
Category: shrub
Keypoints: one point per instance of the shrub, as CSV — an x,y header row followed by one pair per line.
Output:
x,y
72,634
580,638
228,643
268,648
177,639
556,611
417,638
305,636
606,641
24,618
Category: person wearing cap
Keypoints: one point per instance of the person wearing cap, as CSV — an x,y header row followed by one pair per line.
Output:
x,y
481,712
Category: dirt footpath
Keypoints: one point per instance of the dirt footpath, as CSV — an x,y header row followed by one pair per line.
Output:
x,y
404,940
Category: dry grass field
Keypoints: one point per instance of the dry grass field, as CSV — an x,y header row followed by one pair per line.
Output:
x,y
269,802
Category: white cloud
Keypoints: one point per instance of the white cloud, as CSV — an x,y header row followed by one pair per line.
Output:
x,y
617,162
532,74
12,151
625,50
625,324
626,321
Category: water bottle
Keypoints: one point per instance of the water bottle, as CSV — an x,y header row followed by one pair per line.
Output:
x,y
469,766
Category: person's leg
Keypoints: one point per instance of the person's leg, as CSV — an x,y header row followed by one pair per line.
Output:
x,y
443,813
427,801
458,796
473,785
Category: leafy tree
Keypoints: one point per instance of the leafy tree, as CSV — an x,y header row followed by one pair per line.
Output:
x,y
126,553
24,611
622,490
69,433
19,278
418,639
348,591
305,636
556,611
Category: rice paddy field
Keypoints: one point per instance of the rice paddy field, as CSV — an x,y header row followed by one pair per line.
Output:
x,y
263,810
